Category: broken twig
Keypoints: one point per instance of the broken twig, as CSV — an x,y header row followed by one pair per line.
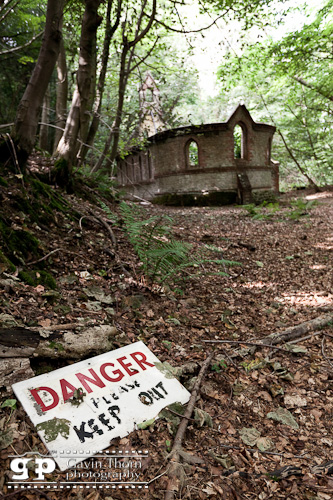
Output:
x,y
43,258
174,456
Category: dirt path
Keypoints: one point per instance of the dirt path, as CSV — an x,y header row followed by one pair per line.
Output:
x,y
284,278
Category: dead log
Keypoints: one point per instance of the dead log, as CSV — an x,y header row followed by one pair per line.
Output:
x,y
297,331
291,333
175,468
14,370
22,342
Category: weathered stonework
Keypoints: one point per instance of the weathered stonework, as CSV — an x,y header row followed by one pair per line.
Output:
x,y
199,162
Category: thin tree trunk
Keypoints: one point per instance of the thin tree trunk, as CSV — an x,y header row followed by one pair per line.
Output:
x,y
115,129
28,112
76,118
291,154
62,91
304,124
313,87
125,70
44,129
109,32
85,118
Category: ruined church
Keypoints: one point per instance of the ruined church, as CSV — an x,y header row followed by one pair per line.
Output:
x,y
216,163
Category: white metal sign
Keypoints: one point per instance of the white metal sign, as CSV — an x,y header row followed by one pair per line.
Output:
x,y
82,407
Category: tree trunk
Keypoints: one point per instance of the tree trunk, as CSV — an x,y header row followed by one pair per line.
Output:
x,y
115,129
291,154
125,70
77,116
44,129
28,112
109,31
62,91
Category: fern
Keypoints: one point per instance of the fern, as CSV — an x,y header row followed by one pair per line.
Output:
x,y
111,216
163,258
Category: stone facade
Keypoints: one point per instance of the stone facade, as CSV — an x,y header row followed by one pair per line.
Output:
x,y
202,163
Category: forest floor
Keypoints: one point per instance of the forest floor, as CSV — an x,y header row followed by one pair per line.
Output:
x,y
284,279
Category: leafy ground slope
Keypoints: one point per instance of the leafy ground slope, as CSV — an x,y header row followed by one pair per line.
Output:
x,y
285,279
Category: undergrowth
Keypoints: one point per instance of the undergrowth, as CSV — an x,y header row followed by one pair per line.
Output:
x,y
268,211
164,259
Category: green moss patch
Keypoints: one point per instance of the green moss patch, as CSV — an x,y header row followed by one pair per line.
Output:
x,y
34,278
3,182
6,264
18,244
52,428
40,203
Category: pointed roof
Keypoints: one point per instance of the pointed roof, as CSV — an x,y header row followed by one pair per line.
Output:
x,y
240,112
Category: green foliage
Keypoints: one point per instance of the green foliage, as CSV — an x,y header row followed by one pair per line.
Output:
x,y
268,211
163,259
9,403
94,185
219,366
24,19
298,64
193,153
254,364
257,212
111,215
300,208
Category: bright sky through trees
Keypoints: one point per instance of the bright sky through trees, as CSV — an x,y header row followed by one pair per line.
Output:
x,y
210,46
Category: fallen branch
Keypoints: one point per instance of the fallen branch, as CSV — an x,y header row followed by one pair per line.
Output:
x,y
109,230
43,258
101,221
63,326
20,342
294,332
175,468
324,354
244,342
291,333
95,218
255,450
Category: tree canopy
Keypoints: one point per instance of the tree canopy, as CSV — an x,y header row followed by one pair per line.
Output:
x,y
286,80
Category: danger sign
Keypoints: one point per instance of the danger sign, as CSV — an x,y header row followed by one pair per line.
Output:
x,y
82,407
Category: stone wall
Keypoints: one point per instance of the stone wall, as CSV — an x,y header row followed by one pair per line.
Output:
x,y
200,160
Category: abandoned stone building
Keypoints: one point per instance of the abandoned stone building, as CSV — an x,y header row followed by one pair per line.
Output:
x,y
217,163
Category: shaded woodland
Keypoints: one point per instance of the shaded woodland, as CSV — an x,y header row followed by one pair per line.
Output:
x,y
235,301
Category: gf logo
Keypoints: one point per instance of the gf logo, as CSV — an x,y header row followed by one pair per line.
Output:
x,y
42,466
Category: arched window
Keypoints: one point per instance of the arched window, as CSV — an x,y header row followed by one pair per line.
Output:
x,y
240,141
192,154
